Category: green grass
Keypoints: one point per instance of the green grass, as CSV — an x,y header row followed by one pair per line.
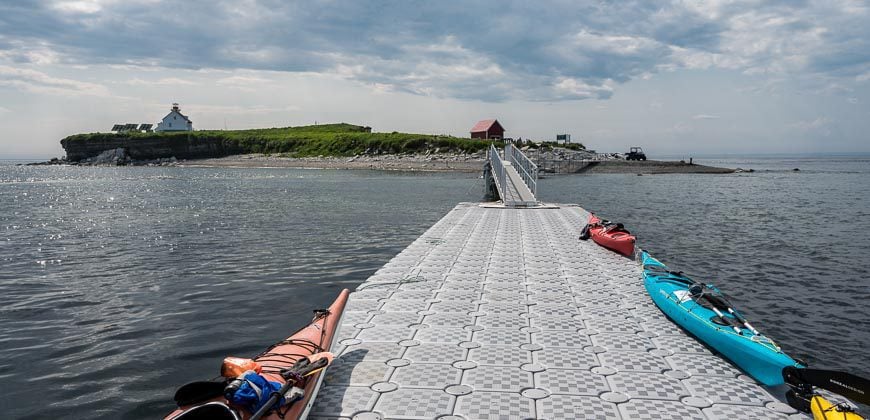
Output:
x,y
550,145
315,140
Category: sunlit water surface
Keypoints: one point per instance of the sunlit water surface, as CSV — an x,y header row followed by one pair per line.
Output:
x,y
120,284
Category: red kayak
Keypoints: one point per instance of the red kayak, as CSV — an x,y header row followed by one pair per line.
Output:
x,y
201,400
612,236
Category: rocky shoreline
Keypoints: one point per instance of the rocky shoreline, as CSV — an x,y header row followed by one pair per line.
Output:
x,y
472,163
111,157
550,162
430,163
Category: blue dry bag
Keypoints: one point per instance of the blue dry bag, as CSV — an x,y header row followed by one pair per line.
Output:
x,y
254,391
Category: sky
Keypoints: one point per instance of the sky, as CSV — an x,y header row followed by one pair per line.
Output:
x,y
678,77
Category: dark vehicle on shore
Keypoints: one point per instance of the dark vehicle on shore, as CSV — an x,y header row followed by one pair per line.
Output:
x,y
636,153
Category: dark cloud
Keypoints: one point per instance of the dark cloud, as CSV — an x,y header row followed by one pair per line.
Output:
x,y
493,50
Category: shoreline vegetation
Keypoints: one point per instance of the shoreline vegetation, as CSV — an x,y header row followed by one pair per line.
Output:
x,y
339,146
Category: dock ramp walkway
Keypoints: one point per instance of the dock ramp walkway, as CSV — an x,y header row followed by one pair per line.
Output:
x,y
502,313
515,176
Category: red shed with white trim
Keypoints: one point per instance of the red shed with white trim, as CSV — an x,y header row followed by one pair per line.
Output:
x,y
487,130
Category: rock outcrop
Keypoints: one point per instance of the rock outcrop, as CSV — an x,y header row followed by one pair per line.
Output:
x,y
149,148
112,157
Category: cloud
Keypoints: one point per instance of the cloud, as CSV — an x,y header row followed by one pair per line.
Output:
x,y
488,50
78,7
4,110
819,125
238,110
577,89
679,129
242,80
166,81
705,117
38,82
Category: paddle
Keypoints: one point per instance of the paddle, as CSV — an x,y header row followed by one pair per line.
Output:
x,y
294,376
717,303
743,320
846,384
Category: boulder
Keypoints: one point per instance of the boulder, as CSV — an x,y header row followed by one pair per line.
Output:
x,y
111,157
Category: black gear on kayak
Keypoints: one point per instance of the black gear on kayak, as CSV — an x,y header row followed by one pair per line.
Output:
x,y
199,391
726,321
846,384
707,297
720,303
798,400
584,234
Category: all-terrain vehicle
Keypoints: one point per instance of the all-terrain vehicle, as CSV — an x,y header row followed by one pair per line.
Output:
x,y
636,153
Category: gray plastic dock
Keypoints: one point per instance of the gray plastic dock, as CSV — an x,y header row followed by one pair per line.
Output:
x,y
499,313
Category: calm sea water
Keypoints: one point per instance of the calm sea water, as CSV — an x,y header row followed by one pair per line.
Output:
x,y
120,284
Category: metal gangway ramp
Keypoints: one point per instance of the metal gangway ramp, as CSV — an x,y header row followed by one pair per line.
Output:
x,y
515,176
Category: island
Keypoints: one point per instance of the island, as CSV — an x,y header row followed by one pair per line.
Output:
x,y
340,146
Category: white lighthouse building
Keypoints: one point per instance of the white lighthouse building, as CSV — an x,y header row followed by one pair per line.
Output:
x,y
175,121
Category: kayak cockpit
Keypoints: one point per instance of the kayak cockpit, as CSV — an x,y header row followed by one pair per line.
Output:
x,y
209,411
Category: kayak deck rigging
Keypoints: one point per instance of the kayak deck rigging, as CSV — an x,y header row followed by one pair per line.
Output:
x,y
508,314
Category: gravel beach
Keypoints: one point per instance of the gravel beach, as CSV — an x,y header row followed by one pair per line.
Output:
x,y
438,163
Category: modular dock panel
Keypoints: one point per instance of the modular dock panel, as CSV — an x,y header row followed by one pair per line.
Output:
x,y
499,313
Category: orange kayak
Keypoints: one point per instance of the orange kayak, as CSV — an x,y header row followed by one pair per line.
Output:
x,y
314,338
611,236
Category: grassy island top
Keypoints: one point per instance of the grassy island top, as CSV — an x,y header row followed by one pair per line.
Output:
x,y
312,140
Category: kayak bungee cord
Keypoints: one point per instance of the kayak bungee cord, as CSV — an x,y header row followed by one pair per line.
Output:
x,y
295,358
716,300
712,295
306,344
280,382
291,357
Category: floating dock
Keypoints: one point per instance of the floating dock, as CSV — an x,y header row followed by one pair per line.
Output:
x,y
502,313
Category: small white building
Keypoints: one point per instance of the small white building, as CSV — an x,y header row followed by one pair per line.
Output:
x,y
175,121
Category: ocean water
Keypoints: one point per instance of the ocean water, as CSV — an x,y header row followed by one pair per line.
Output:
x,y
121,284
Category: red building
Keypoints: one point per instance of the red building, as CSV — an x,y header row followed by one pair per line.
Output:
x,y
487,130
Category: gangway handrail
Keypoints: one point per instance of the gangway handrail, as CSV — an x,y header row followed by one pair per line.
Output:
x,y
498,172
529,172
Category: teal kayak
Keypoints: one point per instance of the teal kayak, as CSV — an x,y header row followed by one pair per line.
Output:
x,y
703,311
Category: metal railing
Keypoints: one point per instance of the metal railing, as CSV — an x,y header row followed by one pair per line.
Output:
x,y
525,167
498,173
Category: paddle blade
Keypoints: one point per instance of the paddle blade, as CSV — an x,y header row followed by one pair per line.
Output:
x,y
848,385
324,354
316,361
315,371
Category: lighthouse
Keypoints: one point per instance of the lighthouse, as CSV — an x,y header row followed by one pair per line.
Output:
x,y
175,121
